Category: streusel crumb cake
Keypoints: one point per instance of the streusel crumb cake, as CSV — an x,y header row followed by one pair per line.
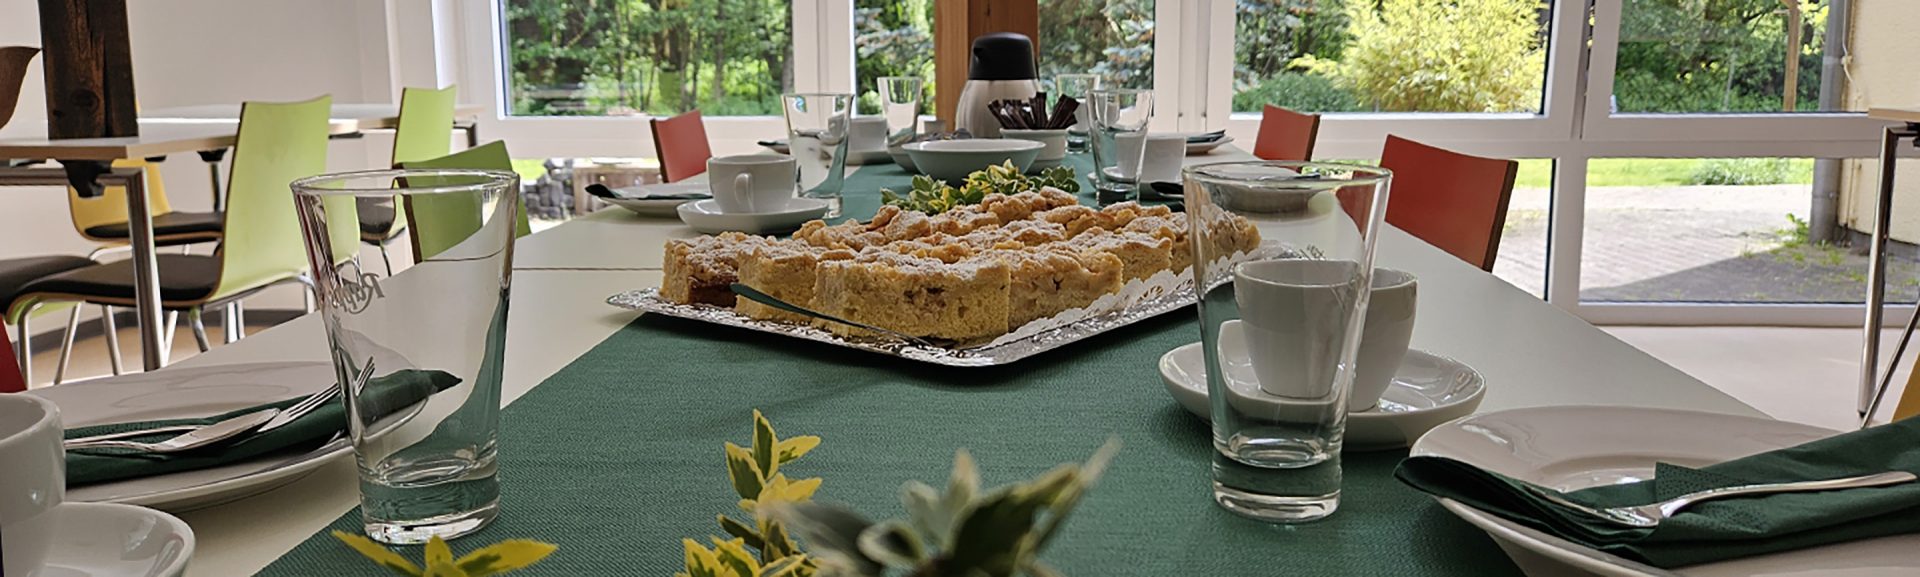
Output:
x,y
969,274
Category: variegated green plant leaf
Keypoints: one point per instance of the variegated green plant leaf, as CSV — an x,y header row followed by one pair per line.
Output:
x,y
963,483
893,543
764,445
927,512
379,554
794,566
504,556
444,569
1089,474
733,555
988,535
438,553
831,532
741,531
746,474
778,544
701,562
794,448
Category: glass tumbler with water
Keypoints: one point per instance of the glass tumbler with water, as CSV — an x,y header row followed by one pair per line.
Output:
x,y
419,353
1283,259
1119,118
817,128
1077,86
900,106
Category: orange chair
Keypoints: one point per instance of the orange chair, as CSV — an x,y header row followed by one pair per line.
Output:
x,y
1451,200
681,142
1286,135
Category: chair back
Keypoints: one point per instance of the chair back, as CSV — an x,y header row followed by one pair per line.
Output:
x,y
10,379
442,221
681,143
426,124
1453,201
1909,406
277,144
13,77
1286,135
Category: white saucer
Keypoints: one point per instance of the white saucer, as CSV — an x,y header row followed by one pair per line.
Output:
x,y
1427,391
109,540
634,198
1195,148
705,216
1568,448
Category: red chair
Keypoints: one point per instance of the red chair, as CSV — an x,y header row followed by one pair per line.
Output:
x,y
1286,135
681,142
10,380
1451,200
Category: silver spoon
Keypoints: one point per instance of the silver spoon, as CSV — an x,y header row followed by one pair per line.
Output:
x,y
202,437
1648,516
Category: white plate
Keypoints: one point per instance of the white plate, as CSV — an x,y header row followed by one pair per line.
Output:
x,y
1427,391
634,197
106,540
1569,448
705,216
190,392
1195,148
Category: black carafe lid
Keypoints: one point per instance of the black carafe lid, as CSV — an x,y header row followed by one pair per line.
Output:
x,y
1002,56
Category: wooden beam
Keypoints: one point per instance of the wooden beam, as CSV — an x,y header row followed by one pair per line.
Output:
x,y
956,23
89,69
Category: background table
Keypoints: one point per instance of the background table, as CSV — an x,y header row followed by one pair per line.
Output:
x,y
1532,354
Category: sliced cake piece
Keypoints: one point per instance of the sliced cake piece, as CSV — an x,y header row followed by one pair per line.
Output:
x,y
917,296
784,270
701,270
1171,227
1047,281
1142,254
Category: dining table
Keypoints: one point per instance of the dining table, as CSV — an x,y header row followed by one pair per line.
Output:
x,y
611,439
209,130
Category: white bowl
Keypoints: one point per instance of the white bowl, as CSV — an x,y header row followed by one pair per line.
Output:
x,y
953,160
1055,142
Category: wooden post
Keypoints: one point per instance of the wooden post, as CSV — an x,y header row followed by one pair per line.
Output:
x,y
955,24
1792,90
89,69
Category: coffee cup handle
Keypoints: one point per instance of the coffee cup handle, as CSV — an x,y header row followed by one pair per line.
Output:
x,y
743,188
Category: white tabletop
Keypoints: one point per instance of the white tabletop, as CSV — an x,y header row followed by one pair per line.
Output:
x,y
192,129
1531,353
359,116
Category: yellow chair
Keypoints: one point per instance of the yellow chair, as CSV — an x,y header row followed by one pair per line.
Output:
x,y
262,246
424,130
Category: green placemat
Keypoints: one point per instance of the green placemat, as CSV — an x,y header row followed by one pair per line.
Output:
x,y
618,456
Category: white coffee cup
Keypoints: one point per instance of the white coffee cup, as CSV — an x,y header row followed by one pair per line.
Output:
x,y
1384,338
1160,163
869,133
752,183
33,480
1294,314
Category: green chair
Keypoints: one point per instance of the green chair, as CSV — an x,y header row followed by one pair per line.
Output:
x,y
277,143
426,117
440,223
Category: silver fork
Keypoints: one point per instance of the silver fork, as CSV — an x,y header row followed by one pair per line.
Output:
x,y
1648,516
195,439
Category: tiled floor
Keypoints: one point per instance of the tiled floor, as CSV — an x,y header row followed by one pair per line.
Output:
x,y
1807,375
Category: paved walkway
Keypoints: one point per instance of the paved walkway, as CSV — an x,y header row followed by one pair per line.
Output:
x,y
1691,243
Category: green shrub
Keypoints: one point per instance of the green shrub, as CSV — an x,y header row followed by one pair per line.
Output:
x,y
1743,171
1298,91
1441,55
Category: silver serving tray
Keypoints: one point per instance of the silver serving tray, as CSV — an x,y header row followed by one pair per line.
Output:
x,y
649,300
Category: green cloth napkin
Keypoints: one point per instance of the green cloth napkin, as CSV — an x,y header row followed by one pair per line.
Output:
x,y
1713,530
384,395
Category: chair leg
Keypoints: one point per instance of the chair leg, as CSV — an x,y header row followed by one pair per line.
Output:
x,y
199,328
23,330
111,327
310,294
230,326
66,345
172,321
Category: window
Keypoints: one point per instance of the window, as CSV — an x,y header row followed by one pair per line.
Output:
x,y
586,58
892,38
1745,56
1111,38
1390,55
1523,240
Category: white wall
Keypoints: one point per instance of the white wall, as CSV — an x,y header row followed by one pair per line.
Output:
x,y
189,52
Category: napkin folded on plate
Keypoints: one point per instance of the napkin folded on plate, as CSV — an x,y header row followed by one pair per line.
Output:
x,y
1207,137
1713,530
384,395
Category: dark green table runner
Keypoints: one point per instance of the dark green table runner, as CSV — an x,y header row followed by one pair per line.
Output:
x,y
619,455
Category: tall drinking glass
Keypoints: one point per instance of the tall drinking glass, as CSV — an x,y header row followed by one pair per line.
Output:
x,y
1077,86
817,126
418,355
1119,118
1283,260
900,105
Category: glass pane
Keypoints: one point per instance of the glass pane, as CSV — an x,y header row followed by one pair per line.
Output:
x,y
892,38
1523,242
587,58
1112,38
1390,55
1720,230
1721,56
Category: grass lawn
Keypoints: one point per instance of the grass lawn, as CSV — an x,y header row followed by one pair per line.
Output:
x,y
1538,172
